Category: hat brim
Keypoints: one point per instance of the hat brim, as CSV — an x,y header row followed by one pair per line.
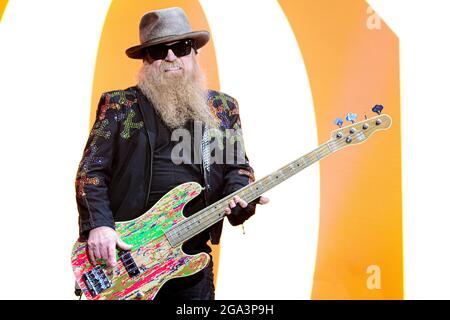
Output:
x,y
138,52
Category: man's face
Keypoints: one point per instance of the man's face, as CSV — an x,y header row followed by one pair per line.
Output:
x,y
172,79
171,66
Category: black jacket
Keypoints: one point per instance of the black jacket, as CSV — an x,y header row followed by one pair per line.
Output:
x,y
114,176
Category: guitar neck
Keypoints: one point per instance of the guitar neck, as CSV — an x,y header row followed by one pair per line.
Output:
x,y
215,212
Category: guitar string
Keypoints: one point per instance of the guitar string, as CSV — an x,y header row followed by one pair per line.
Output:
x,y
208,216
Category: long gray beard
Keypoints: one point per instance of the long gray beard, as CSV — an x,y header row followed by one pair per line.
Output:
x,y
179,98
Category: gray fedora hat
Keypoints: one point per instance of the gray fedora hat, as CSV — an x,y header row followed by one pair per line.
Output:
x,y
162,26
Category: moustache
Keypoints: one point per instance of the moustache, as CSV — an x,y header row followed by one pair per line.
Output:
x,y
170,66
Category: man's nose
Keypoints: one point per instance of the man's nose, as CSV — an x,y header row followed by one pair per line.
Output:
x,y
170,56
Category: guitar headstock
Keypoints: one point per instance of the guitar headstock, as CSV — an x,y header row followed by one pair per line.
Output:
x,y
359,132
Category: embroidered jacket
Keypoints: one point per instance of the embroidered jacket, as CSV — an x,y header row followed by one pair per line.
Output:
x,y
114,176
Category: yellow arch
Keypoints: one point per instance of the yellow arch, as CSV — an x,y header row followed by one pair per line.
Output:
x,y
3,4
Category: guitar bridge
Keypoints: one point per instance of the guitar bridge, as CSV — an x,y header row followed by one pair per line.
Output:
x,y
129,263
96,281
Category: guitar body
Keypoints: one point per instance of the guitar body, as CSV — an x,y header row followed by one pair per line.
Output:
x,y
151,262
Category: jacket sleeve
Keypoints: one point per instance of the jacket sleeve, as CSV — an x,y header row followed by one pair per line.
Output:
x,y
94,171
238,172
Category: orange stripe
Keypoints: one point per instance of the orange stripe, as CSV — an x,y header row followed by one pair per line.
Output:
x,y
114,70
3,4
350,69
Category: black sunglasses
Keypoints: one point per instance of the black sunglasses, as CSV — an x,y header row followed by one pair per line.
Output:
x,y
180,49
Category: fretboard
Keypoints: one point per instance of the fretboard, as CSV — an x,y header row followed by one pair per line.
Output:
x,y
212,214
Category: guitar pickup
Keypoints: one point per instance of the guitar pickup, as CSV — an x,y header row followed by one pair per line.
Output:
x,y
129,263
96,281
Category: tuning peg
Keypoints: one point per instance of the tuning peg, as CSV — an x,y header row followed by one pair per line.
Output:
x,y
377,108
339,122
351,117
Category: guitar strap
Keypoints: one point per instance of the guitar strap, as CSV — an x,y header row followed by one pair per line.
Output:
x,y
206,153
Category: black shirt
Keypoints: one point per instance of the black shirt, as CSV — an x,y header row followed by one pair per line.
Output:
x,y
166,175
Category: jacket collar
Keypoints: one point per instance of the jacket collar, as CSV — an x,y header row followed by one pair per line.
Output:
x,y
149,117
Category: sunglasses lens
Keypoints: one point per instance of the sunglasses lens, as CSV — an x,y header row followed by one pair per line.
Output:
x,y
180,49
158,52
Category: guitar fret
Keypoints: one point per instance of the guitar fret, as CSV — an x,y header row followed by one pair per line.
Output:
x,y
329,147
304,159
191,229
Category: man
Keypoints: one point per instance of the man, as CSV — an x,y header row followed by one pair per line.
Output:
x,y
129,163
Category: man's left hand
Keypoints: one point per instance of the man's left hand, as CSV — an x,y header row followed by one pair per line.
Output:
x,y
242,203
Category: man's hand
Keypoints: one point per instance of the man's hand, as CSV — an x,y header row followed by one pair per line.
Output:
x,y
102,244
237,212
238,201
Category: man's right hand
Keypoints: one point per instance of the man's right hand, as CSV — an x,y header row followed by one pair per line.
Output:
x,y
102,243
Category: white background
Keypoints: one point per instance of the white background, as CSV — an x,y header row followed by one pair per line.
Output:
x,y
47,59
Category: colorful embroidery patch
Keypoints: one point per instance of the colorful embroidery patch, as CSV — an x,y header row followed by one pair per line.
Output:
x,y
129,124
106,107
82,181
223,107
99,130
123,98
